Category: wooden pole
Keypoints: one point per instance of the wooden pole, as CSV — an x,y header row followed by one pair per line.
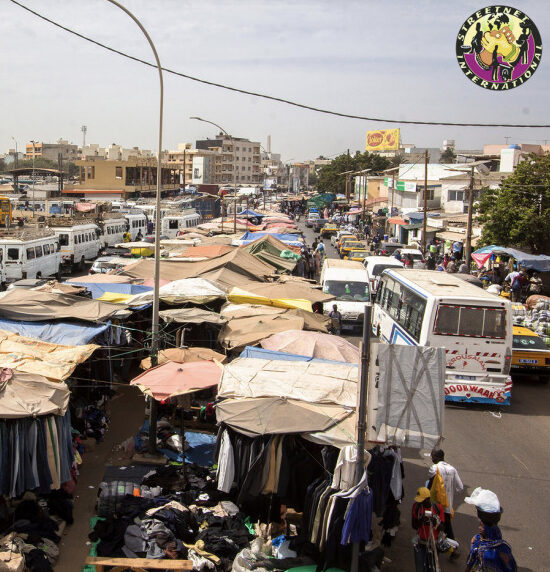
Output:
x,y
424,222
468,253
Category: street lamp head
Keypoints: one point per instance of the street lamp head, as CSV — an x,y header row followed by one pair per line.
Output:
x,y
197,118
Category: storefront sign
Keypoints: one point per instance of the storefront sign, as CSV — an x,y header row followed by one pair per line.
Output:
x,y
407,186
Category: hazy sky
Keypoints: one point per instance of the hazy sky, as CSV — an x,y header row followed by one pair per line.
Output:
x,y
393,59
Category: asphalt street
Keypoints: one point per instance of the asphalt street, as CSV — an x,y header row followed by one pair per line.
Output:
x,y
504,449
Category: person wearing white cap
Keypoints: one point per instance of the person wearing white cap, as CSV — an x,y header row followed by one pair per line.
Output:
x,y
489,552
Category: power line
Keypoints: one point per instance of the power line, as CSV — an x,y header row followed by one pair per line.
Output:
x,y
272,97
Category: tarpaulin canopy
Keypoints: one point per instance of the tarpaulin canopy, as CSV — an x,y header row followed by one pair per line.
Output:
x,y
240,296
291,289
539,262
251,213
171,379
307,381
29,395
102,278
287,238
191,316
36,306
241,332
268,248
54,361
276,415
191,290
315,344
243,266
206,251
261,353
99,289
182,355
55,332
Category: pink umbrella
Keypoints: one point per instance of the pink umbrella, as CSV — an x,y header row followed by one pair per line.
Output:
x,y
171,379
314,344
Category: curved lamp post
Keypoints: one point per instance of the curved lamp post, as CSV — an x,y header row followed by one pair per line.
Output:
x,y
156,299
234,170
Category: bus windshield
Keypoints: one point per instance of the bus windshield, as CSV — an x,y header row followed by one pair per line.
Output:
x,y
470,321
347,290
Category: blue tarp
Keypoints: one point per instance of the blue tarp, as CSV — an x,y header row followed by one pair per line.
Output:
x,y
250,212
261,353
201,448
538,262
291,239
98,289
65,333
419,215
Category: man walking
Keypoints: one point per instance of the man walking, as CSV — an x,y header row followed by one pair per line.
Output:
x,y
452,483
336,319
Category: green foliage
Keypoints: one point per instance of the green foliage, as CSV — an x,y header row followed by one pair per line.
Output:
x,y
448,156
518,213
331,181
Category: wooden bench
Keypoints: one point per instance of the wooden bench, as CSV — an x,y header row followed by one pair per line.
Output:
x,y
137,564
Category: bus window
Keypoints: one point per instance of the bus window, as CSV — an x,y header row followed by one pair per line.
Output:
x,y
13,253
30,253
63,240
470,321
46,249
38,251
173,224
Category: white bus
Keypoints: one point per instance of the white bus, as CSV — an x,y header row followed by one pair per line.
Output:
x,y
173,223
112,226
429,308
137,223
78,243
29,255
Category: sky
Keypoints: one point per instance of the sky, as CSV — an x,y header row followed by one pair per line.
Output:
x,y
394,59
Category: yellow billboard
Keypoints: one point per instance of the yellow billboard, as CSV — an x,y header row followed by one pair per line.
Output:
x,y
383,140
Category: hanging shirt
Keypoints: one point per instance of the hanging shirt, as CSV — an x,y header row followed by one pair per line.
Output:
x,y
226,464
358,519
344,472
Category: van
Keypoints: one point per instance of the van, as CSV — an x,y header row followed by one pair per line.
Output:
x,y
112,230
375,265
78,243
137,223
173,223
348,282
29,256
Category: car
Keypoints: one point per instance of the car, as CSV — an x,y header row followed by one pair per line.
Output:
x,y
358,254
375,265
311,218
530,355
329,230
418,258
351,245
388,248
342,242
319,224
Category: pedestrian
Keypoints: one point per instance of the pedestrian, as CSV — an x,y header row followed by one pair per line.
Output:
x,y
139,236
430,262
126,237
451,266
336,319
488,551
517,284
463,268
397,255
433,248
440,267
535,284
452,484
408,261
427,517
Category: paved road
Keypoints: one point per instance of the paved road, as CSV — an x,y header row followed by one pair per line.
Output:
x,y
503,449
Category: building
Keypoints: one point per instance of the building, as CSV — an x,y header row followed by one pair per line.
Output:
x,y
51,151
114,152
454,189
198,166
237,160
13,157
108,180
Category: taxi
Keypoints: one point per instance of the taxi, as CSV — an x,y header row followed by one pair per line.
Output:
x,y
343,240
329,230
350,245
530,355
358,254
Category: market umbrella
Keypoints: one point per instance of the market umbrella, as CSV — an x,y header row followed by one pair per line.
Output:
x,y
171,379
314,344
272,415
182,355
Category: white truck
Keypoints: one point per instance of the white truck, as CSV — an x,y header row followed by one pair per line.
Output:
x,y
348,282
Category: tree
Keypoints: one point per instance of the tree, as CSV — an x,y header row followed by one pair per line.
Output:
x,y
518,213
448,156
332,181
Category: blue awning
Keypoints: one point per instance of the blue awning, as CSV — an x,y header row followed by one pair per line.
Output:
x,y
97,289
261,353
65,333
250,212
538,262
291,239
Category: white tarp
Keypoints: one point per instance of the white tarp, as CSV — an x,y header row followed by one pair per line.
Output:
x,y
410,395
194,290
306,381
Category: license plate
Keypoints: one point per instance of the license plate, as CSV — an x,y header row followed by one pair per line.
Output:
x,y
466,377
528,361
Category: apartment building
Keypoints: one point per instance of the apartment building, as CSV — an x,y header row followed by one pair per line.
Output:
x,y
51,151
197,166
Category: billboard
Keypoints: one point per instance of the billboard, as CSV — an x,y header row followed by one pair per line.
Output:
x,y
383,140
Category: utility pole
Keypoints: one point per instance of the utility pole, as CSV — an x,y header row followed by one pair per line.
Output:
x,y
347,178
184,167
424,223
469,223
33,176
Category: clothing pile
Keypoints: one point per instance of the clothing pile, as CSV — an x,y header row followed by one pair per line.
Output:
x,y
169,441
30,543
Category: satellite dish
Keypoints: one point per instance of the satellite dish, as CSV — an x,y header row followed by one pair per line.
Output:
x,y
483,169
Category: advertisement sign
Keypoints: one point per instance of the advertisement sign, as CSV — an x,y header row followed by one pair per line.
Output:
x,y
383,140
472,392
407,186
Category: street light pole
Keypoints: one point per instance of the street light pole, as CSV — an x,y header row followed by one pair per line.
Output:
x,y
33,156
234,170
16,158
156,298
